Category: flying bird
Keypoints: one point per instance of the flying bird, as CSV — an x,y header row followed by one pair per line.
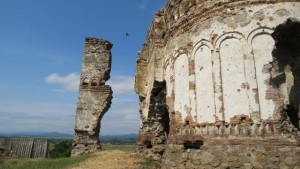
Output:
x,y
127,34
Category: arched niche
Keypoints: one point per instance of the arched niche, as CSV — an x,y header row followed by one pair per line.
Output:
x,y
262,45
85,81
234,75
94,82
181,85
205,105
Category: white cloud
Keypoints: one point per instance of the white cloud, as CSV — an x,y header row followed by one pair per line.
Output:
x,y
69,82
122,84
40,109
122,117
143,4
122,120
60,117
37,117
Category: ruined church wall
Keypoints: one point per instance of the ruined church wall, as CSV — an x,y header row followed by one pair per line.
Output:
x,y
223,83
94,97
238,45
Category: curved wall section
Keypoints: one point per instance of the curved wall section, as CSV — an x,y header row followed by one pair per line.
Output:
x,y
227,92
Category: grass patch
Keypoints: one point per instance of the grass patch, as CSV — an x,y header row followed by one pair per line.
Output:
x,y
61,163
105,158
149,164
126,148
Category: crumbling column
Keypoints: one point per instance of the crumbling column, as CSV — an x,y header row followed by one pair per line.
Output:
x,y
94,98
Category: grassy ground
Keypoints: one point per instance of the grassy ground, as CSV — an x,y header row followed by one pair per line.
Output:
x,y
61,163
110,157
126,147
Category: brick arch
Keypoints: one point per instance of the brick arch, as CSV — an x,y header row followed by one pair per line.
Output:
x,y
84,81
259,31
228,35
94,81
202,42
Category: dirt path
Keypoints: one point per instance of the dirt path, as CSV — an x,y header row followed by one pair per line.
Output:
x,y
113,159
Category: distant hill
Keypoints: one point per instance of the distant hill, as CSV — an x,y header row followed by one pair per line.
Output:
x,y
37,134
118,139
120,136
62,135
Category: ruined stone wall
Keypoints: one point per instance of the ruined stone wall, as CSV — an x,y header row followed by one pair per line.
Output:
x,y
94,98
230,71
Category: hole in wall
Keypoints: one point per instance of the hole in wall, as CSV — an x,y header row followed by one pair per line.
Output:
x,y
158,109
287,53
94,82
148,144
193,144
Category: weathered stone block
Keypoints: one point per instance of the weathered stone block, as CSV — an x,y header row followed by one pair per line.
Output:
x,y
291,161
284,149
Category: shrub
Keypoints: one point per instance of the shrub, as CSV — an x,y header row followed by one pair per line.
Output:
x,y
61,149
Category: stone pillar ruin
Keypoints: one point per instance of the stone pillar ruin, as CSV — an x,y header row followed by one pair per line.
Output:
x,y
218,83
94,98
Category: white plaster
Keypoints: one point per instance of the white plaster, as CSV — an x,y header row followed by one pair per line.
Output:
x,y
181,87
251,82
168,80
262,50
217,87
193,109
204,85
233,79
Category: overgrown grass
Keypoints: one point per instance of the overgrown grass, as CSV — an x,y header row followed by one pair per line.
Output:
x,y
150,164
61,163
147,163
127,147
67,163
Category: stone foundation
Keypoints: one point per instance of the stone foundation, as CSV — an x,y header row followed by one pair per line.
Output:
x,y
249,156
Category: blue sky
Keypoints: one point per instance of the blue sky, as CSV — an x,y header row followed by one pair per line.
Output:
x,y
41,48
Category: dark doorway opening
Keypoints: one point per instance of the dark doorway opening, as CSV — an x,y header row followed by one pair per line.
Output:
x,y
156,127
158,109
